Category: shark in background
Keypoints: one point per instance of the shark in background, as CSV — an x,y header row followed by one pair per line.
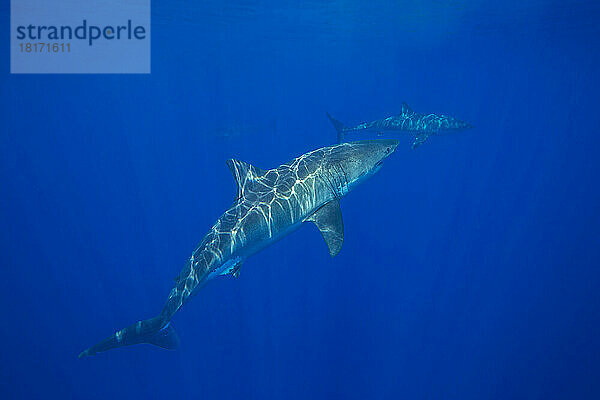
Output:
x,y
269,205
421,125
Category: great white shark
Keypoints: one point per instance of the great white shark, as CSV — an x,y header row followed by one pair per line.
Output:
x,y
269,205
421,125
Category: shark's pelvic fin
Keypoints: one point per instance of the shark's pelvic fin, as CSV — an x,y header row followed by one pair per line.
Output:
x,y
339,127
328,219
230,267
243,172
236,270
420,139
406,109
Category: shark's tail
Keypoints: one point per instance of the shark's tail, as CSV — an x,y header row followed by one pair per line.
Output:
x,y
339,127
154,331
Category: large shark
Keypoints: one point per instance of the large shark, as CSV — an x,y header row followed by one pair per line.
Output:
x,y
269,205
421,125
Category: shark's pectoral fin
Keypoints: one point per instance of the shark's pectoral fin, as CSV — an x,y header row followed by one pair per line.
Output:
x,y
329,221
420,139
236,270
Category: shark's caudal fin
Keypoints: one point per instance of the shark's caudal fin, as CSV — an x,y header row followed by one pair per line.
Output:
x,y
339,127
151,331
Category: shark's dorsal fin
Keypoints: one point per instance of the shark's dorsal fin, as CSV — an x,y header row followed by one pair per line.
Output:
x,y
406,109
328,219
243,173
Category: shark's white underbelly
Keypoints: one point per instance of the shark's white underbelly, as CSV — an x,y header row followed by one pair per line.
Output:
x,y
226,268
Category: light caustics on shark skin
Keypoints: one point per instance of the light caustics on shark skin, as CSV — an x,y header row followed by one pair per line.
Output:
x,y
269,205
421,125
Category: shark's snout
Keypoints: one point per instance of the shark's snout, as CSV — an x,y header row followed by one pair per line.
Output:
x,y
393,143
460,125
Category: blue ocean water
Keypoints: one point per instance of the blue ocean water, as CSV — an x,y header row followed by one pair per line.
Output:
x,y
470,267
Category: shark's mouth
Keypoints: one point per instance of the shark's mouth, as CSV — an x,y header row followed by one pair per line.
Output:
x,y
376,168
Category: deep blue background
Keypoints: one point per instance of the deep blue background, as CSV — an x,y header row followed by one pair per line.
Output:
x,y
470,267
